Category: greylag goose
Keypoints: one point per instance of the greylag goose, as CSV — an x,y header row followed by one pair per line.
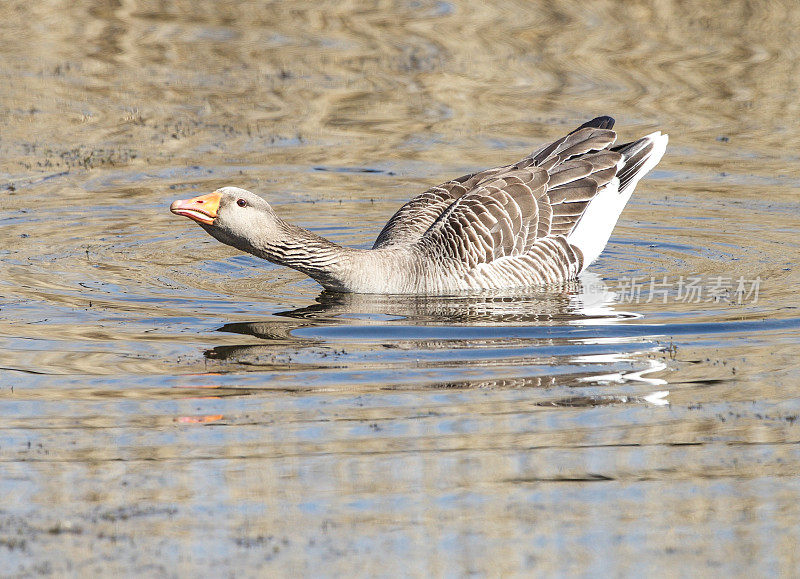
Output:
x,y
540,221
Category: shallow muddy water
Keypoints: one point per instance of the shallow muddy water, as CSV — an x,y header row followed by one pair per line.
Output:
x,y
172,406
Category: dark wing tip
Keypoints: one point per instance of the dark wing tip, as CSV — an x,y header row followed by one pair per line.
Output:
x,y
604,122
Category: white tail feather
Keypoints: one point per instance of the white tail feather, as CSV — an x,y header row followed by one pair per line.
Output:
x,y
592,232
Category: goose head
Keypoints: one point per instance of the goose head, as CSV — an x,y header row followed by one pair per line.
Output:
x,y
233,216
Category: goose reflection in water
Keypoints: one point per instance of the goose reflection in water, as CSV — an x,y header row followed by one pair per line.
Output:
x,y
564,337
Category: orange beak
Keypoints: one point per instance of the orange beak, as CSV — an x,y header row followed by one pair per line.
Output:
x,y
202,209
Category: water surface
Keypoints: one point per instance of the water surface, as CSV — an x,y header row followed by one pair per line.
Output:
x,y
171,405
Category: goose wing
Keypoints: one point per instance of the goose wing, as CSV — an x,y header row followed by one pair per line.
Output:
x,y
543,195
414,218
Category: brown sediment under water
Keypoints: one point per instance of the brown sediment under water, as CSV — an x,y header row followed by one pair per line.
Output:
x,y
170,405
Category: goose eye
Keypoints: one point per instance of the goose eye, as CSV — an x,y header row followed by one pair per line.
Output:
x,y
241,203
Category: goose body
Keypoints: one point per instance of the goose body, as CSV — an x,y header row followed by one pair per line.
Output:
x,y
539,221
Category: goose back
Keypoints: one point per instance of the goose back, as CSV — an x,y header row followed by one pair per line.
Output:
x,y
512,221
